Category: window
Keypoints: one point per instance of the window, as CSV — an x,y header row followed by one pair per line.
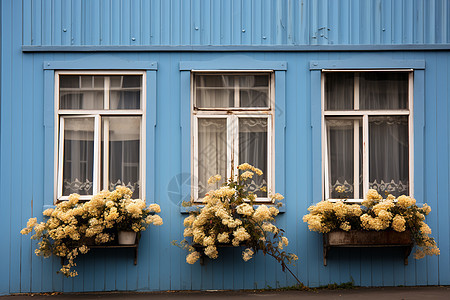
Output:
x,y
232,121
367,133
100,133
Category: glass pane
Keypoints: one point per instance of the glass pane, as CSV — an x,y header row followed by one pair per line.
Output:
x,y
253,150
125,92
78,156
123,134
340,142
389,155
383,90
339,91
214,91
212,153
81,92
254,90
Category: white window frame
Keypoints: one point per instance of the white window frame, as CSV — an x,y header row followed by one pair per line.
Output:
x,y
363,115
232,115
60,114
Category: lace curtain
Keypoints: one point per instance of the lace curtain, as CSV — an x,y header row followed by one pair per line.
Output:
x,y
388,135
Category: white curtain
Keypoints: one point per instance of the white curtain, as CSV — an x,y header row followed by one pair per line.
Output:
x,y
253,150
123,135
78,156
212,152
388,135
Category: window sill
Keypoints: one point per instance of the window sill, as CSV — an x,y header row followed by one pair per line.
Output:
x,y
195,207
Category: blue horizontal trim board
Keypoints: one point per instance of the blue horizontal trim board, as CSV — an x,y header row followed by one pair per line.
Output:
x,y
102,62
302,48
234,63
365,64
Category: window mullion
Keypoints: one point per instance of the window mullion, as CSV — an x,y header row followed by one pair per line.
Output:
x,y
196,158
365,154
105,154
107,85
61,157
97,151
356,159
237,99
356,92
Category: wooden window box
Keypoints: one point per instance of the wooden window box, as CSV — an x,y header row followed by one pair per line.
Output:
x,y
357,238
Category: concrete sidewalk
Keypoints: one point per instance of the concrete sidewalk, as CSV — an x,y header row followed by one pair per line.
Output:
x,y
409,293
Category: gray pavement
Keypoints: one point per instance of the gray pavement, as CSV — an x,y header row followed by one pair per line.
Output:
x,y
385,293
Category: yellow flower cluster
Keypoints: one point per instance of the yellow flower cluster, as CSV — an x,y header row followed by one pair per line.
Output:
x,y
229,217
377,214
96,219
246,166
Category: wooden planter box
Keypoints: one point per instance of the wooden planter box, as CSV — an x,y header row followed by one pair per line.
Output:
x,y
358,238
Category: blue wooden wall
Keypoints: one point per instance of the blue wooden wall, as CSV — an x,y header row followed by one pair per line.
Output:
x,y
25,185
235,22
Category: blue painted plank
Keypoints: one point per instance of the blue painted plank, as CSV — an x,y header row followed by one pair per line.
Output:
x,y
27,170
36,30
66,23
196,25
56,32
76,38
105,23
6,139
116,20
27,22
205,23
145,23
37,183
155,23
185,23
17,147
125,26
246,23
256,33
135,20
175,15
236,22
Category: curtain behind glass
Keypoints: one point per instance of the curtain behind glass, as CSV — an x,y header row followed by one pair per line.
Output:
x,y
339,91
389,155
212,152
81,92
340,142
253,150
214,91
78,156
383,90
124,152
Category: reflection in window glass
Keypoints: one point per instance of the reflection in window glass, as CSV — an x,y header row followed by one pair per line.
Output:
x,y
253,150
78,156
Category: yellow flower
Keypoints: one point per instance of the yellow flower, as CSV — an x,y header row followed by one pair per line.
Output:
x,y
398,223
211,252
247,254
155,207
214,179
192,257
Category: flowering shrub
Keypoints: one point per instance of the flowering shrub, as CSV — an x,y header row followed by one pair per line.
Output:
x,y
229,218
72,226
376,213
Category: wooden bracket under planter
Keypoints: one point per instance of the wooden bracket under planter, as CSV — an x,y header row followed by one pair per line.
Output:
x,y
358,238
114,244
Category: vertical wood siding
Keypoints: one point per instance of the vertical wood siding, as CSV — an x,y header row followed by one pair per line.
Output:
x,y
235,22
24,184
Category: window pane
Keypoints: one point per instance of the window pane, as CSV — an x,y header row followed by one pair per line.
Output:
x,y
125,92
339,91
253,150
78,156
340,142
123,135
389,155
254,90
212,152
214,91
383,90
81,92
